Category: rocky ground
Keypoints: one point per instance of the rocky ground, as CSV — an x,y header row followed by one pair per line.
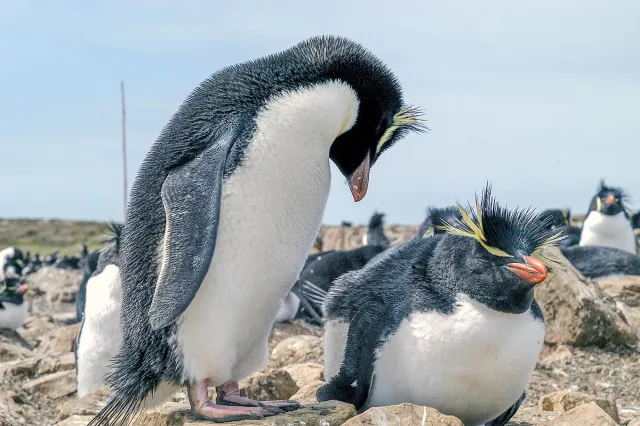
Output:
x,y
587,374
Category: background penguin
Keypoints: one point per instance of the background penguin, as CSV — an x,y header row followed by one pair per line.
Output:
x,y
560,221
436,219
89,267
225,209
11,263
375,233
100,337
607,222
598,262
437,322
635,220
13,309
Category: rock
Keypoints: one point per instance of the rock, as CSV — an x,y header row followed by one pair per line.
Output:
x,y
89,404
528,416
351,237
624,288
21,367
298,349
565,401
55,385
75,421
38,365
634,422
584,415
37,326
307,394
329,413
577,313
10,412
58,363
561,355
11,350
403,414
305,373
59,340
275,385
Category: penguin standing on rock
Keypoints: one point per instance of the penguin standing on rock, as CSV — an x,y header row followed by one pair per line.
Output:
x,y
448,321
607,222
13,309
100,337
224,211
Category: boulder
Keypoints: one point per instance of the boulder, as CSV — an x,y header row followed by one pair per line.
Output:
x,y
307,394
584,415
634,422
274,385
403,414
305,373
625,288
298,349
577,313
89,405
351,237
560,402
54,385
60,340
37,326
329,413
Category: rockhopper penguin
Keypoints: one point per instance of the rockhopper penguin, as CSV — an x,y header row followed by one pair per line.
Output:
x,y
436,220
224,210
13,309
607,223
447,321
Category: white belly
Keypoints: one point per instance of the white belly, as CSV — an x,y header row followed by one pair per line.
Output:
x,y
288,308
335,342
608,231
100,338
271,212
13,316
473,364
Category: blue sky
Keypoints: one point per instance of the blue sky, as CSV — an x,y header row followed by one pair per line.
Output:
x,y
540,97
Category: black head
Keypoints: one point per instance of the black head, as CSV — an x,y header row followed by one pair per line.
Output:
x,y
436,220
555,218
12,290
495,255
382,117
609,200
377,220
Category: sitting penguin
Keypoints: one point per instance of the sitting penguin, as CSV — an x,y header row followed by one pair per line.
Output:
x,y
448,321
560,220
13,309
100,336
599,262
607,222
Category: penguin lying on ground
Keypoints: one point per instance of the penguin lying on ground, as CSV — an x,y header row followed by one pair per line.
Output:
x,y
598,262
224,211
100,337
447,321
89,267
318,274
607,223
13,309
560,220
436,220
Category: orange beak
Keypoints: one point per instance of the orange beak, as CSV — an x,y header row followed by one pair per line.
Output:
x,y
360,179
609,200
533,271
22,289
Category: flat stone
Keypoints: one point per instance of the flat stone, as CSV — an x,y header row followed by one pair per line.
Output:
x,y
75,421
54,385
298,349
307,394
403,414
562,401
89,404
305,373
584,415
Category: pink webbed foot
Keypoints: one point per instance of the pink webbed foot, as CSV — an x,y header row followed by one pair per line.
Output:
x,y
229,394
203,408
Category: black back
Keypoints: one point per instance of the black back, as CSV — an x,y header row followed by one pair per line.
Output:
x,y
635,220
89,268
597,261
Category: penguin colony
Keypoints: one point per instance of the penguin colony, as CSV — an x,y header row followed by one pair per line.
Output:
x,y
222,215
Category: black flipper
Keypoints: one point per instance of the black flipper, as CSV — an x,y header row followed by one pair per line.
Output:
x,y
353,382
315,315
504,418
191,196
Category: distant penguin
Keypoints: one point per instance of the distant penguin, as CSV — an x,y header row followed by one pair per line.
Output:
x,y
436,220
100,336
11,263
635,220
346,223
599,262
224,211
375,233
448,321
89,267
560,221
13,309
607,223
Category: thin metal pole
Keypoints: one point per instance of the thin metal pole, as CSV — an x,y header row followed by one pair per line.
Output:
x,y
124,150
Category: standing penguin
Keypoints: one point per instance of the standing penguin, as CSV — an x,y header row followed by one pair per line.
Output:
x,y
100,337
224,210
448,321
375,233
90,265
13,309
607,222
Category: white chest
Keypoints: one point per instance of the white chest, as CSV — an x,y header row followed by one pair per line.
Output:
x,y
473,364
609,231
271,212
13,316
101,337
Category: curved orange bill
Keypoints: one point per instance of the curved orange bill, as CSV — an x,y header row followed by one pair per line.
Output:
x,y
610,199
359,181
22,289
532,271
